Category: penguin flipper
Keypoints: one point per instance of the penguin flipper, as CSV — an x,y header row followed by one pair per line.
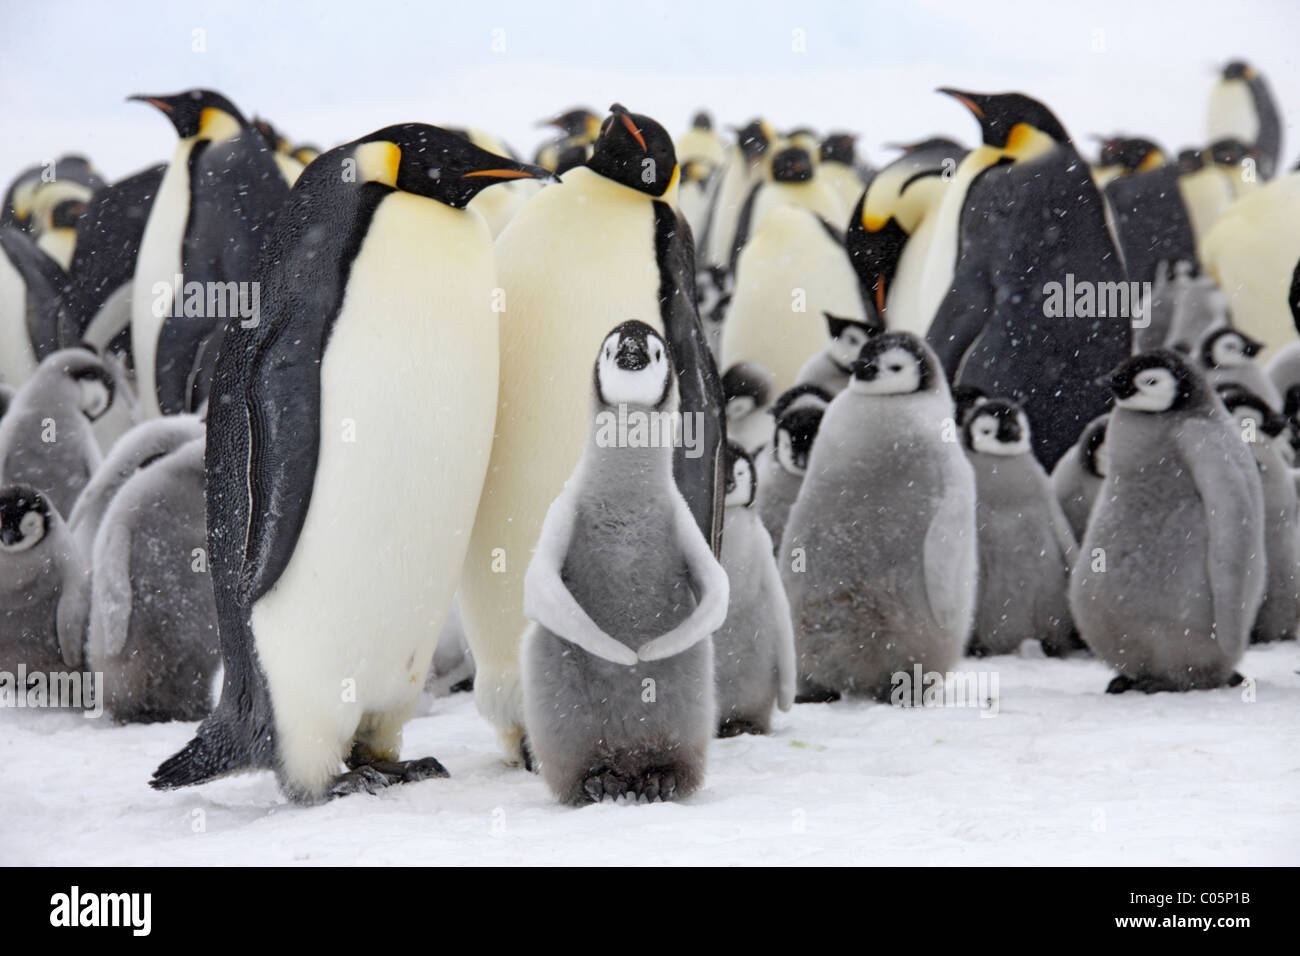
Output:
x,y
73,613
786,671
950,560
54,310
112,587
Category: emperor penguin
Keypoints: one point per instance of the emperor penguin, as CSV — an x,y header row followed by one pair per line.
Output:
x,y
747,388
741,171
40,310
1260,425
1026,547
783,463
578,128
893,226
56,209
1079,474
879,555
831,368
1029,230
1238,163
1242,106
46,439
753,651
1227,357
624,592
700,153
839,167
1196,307
792,177
372,373
499,204
1122,156
206,225
20,198
1205,189
1252,253
153,619
44,588
1151,216
606,240
1172,566
139,448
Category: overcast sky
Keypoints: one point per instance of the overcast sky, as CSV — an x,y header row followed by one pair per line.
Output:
x,y
327,72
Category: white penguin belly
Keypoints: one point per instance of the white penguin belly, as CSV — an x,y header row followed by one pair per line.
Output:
x,y
17,361
408,399
159,261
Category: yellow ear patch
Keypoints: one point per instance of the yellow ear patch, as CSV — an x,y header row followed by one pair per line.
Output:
x,y
377,162
672,183
1153,160
217,124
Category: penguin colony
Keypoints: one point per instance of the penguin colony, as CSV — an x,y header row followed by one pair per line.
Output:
x,y
642,440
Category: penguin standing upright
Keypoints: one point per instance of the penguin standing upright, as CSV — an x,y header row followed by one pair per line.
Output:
x,y
839,167
879,553
1079,474
625,591
1242,106
741,171
1171,570
747,388
1151,217
206,225
40,310
784,463
700,153
372,373
1029,230
604,241
831,368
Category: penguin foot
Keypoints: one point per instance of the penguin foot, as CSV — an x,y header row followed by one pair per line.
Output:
x,y
364,779
1120,684
604,783
812,694
736,727
1148,685
976,648
366,768
1236,679
526,752
463,686
656,785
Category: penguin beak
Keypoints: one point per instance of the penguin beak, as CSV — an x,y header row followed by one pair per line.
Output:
x,y
522,171
631,356
157,102
968,100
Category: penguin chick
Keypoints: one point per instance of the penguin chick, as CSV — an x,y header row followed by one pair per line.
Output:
x,y
882,535
46,439
753,651
748,389
1259,426
618,669
965,399
782,466
1172,567
830,369
44,595
153,617
1078,475
1026,548
1227,357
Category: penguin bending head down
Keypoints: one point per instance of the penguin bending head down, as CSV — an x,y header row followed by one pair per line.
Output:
x,y
624,593
1172,565
372,372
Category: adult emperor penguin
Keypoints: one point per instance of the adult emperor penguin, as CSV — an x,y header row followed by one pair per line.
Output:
x,y
139,448
499,204
839,167
1260,426
371,373
753,651
783,464
55,211
832,367
20,197
879,555
1252,253
578,127
1172,567
43,586
1026,547
153,622
792,178
46,439
1078,475
1125,156
213,208
741,171
700,153
997,326
624,591
894,225
1242,106
40,310
604,241
1151,218
1226,357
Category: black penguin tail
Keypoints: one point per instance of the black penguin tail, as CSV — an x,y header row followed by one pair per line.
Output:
x,y
214,752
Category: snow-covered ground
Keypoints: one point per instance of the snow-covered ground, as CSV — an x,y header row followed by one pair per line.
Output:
x,y
1061,774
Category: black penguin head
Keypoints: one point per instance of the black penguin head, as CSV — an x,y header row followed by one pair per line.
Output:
x,y
1008,120
272,135
806,395
1254,415
795,432
1228,348
1133,154
754,138
702,120
81,367
433,162
633,367
895,363
634,150
1092,446
965,399
577,123
792,165
24,518
998,427
839,148
747,386
1154,382
1238,70
847,338
1231,151
741,479
202,113
1189,161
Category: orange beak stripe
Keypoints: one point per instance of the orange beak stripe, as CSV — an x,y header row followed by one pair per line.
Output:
x,y
500,174
880,295
165,107
631,128
970,104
